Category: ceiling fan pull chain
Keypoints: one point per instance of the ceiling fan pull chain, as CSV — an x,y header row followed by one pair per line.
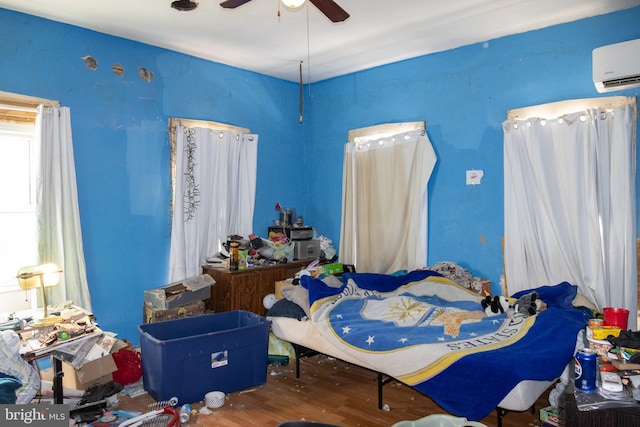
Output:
x,y
300,91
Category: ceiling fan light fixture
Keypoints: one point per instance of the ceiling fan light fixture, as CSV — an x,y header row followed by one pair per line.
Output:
x,y
184,5
293,4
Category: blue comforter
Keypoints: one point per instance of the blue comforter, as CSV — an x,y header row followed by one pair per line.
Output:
x,y
433,335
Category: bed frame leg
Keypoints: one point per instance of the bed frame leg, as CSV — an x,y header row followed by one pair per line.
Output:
x,y
501,413
380,384
296,349
305,352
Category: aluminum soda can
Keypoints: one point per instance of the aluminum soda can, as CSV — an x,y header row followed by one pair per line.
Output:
x,y
586,369
185,413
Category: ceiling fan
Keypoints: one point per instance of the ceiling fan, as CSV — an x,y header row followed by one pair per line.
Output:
x,y
184,5
330,8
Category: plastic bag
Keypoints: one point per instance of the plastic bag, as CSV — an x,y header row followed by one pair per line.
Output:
x,y
272,251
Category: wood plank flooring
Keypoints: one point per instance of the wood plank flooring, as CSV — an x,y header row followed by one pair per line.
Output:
x,y
328,391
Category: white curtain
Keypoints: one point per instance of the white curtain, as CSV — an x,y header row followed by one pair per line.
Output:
x,y
570,204
59,231
384,202
214,194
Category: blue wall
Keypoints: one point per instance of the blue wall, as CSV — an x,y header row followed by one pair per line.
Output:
x,y
122,152
463,95
121,143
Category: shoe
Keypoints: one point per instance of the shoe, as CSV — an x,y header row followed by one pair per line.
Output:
x,y
100,392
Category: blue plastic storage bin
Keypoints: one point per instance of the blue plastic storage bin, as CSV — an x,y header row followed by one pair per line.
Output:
x,y
187,358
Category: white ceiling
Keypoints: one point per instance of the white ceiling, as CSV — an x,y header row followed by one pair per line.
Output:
x,y
253,37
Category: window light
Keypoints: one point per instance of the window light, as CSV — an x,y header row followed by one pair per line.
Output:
x,y
293,4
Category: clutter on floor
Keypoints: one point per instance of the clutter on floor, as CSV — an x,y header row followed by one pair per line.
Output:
x,y
606,373
65,358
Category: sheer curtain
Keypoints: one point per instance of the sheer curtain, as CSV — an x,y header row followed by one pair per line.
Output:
x,y
59,231
384,202
214,194
570,203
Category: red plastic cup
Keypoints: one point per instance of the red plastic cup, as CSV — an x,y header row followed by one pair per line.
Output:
x,y
614,316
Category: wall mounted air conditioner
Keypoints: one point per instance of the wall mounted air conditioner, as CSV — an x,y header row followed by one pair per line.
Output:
x,y
617,66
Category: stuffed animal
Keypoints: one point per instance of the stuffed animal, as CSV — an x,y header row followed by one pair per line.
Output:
x,y
529,304
495,306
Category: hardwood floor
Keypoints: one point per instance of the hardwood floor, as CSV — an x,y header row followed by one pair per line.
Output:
x,y
328,391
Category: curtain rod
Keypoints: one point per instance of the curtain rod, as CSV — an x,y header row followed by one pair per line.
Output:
x,y
560,108
379,131
18,100
18,108
207,124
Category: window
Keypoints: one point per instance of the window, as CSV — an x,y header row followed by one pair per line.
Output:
x,y
18,246
570,198
386,171
44,200
221,160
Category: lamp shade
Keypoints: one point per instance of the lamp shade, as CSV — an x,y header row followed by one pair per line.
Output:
x,y
293,4
30,277
39,276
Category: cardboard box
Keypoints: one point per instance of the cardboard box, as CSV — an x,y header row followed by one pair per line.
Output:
x,y
179,294
551,416
281,284
92,372
154,314
91,366
602,332
334,268
46,385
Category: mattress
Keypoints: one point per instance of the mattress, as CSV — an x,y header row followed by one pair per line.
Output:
x,y
520,398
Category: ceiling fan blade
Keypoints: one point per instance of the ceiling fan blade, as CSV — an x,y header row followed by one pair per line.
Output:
x,y
331,9
232,4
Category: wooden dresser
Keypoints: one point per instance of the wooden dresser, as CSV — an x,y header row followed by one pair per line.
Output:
x,y
245,289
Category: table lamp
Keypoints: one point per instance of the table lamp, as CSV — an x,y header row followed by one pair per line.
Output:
x,y
39,276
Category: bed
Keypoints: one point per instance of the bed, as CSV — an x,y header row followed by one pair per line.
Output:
x,y
432,334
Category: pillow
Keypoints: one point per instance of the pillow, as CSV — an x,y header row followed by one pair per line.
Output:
x,y
582,301
556,296
332,281
299,295
317,289
285,308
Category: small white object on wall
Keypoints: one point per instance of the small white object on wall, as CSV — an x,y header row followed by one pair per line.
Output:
x,y
474,177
